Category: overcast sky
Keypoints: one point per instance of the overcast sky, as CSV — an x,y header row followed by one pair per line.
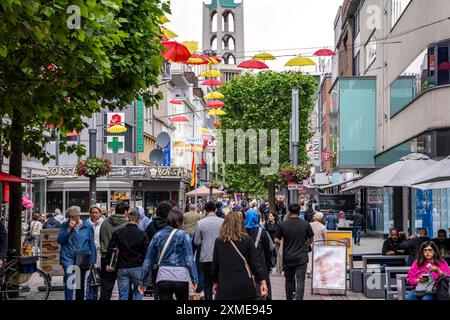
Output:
x,y
270,25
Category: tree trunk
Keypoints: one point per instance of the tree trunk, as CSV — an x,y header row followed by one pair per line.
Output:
x,y
271,193
15,169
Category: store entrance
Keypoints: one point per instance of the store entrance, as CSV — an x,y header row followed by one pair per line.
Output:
x,y
153,198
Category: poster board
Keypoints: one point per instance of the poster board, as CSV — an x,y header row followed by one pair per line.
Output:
x,y
329,269
50,248
345,236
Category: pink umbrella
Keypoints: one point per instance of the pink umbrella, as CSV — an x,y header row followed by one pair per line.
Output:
x,y
324,53
179,119
253,64
216,104
175,101
212,82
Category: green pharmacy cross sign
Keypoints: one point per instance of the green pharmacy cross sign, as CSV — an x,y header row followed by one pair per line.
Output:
x,y
115,145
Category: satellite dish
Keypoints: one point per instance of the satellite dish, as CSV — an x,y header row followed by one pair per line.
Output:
x,y
157,156
162,140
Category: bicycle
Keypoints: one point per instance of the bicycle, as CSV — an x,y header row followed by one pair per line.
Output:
x,y
20,279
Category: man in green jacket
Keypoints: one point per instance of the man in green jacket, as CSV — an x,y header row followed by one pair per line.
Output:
x,y
115,222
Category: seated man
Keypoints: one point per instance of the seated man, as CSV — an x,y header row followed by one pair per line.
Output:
x,y
391,244
442,242
413,244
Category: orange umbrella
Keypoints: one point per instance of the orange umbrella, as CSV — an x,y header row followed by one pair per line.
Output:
x,y
176,52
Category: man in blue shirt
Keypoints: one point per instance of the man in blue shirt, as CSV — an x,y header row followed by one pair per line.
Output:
x,y
331,220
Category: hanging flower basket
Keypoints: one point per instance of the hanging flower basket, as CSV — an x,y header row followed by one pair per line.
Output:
x,y
213,184
94,167
292,173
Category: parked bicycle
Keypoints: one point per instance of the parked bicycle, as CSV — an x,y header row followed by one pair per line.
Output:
x,y
21,279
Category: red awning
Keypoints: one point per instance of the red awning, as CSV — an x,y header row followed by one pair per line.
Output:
x,y
4,177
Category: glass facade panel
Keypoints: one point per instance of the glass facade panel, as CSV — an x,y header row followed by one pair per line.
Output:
x,y
81,199
397,8
54,201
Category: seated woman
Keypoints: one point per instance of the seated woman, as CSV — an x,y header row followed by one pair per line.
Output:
x,y
428,261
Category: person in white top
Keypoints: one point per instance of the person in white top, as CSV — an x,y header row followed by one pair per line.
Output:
x,y
35,230
96,219
320,231
59,216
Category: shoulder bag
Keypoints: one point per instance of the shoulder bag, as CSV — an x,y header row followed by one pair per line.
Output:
x,y
161,256
247,267
425,288
82,260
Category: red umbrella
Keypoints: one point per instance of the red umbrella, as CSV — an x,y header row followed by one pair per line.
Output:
x,y
216,104
197,60
253,64
444,66
324,53
212,82
216,124
4,177
179,119
175,101
176,52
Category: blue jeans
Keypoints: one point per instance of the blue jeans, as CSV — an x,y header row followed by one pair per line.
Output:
x,y
357,234
124,278
411,295
79,293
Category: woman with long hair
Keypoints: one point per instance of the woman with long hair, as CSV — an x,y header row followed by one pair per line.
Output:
x,y
428,262
235,262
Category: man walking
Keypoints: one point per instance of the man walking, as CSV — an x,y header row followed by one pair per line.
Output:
x,y
190,220
59,216
132,244
297,236
51,222
206,233
331,220
113,223
358,220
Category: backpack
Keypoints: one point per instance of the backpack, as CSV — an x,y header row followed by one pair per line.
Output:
x,y
443,288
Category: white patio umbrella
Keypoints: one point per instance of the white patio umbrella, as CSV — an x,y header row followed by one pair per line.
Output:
x,y
436,176
204,191
398,174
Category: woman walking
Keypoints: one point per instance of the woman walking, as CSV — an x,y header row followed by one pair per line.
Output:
x,y
235,261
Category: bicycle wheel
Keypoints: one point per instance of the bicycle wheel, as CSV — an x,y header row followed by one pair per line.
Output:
x,y
35,286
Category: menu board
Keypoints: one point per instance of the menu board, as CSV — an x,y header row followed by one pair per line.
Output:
x,y
329,270
50,249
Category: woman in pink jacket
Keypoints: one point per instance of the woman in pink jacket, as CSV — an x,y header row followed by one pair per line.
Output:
x,y
428,261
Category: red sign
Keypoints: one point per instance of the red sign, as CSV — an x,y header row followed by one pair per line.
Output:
x,y
326,156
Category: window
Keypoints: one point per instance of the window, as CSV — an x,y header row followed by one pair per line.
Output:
x,y
81,199
397,8
356,24
357,66
371,50
54,201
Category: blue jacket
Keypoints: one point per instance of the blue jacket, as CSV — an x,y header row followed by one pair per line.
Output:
x,y
178,254
331,221
81,241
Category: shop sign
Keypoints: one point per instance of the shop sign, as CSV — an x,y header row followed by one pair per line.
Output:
x,y
62,172
128,172
162,172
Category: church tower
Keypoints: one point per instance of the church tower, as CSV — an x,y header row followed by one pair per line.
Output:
x,y
223,30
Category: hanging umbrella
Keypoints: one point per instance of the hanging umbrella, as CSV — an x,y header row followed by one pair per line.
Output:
x,y
324,53
214,96
169,34
212,82
215,104
264,56
74,133
175,101
203,191
300,62
176,52
253,64
216,112
117,129
213,61
216,124
197,59
179,119
398,174
191,45
5,177
436,176
163,20
211,74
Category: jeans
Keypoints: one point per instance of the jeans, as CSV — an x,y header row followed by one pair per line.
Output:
x,y
357,234
198,265
207,266
124,278
79,292
167,289
108,281
295,281
411,295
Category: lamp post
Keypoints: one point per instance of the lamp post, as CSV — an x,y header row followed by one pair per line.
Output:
x,y
294,136
92,154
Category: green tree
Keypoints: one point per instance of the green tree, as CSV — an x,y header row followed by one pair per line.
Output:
x,y
264,101
54,71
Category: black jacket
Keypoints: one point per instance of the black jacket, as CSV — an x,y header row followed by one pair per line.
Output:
x,y
229,272
132,244
263,249
271,229
3,241
157,224
389,245
358,220
412,247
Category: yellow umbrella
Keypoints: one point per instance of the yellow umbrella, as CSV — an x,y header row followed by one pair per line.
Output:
x,y
214,96
264,56
169,34
210,74
163,20
216,112
300,62
212,61
191,45
117,129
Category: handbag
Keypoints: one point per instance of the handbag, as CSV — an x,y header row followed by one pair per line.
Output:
x,y
155,268
94,277
426,288
82,260
443,288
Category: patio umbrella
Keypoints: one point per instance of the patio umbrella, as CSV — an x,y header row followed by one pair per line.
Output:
x,y
191,45
197,59
179,119
74,133
213,61
210,74
5,177
398,174
253,64
215,104
175,101
216,124
169,34
204,191
216,112
435,175
324,53
212,82
176,52
264,56
214,96
300,62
